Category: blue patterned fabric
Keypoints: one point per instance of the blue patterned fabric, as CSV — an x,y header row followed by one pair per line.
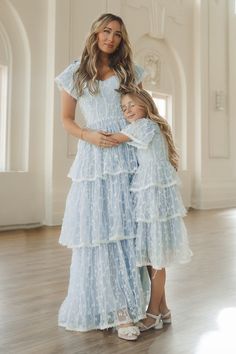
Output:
x,y
105,286
161,238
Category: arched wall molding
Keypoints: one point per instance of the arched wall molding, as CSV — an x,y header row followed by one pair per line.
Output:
x,y
6,62
168,77
6,50
159,12
181,84
18,113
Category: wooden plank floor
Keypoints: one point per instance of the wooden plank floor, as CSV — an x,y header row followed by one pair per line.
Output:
x,y
202,295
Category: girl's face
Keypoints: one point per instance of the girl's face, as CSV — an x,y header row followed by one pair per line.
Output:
x,y
132,108
110,37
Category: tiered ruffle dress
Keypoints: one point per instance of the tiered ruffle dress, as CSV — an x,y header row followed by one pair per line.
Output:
x,y
105,286
161,238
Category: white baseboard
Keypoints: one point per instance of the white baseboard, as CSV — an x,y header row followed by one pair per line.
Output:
x,y
20,226
214,196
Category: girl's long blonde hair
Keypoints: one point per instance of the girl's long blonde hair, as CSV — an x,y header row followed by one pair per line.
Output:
x,y
120,61
143,98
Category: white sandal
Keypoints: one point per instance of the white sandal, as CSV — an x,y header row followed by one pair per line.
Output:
x,y
166,318
158,324
128,333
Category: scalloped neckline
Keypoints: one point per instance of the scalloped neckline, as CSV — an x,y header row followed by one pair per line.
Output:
x,y
107,78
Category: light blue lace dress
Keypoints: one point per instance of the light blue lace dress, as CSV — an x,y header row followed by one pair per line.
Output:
x,y
161,238
105,286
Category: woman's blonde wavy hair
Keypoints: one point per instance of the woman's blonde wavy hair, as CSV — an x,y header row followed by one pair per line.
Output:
x,y
145,100
120,61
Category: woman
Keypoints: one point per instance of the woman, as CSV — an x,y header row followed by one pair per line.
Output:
x,y
105,288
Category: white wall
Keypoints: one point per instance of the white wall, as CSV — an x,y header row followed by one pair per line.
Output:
x,y
214,177
21,193
195,42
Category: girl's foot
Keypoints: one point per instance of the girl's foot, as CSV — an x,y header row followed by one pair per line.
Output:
x,y
166,317
152,321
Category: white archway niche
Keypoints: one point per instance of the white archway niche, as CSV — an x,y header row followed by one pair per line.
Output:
x,y
17,58
166,75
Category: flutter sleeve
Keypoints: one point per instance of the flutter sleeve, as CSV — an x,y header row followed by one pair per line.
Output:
x,y
65,80
140,73
140,132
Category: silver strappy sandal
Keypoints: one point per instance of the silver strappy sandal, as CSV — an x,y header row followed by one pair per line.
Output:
x,y
158,324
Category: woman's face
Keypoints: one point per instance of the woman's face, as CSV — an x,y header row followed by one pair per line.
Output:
x,y
110,37
132,108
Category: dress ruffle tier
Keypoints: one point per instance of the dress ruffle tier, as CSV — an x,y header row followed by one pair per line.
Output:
x,y
105,292
162,244
98,212
155,174
161,237
158,204
93,162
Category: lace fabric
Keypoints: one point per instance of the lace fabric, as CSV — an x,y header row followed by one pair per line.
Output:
x,y
105,292
162,244
98,212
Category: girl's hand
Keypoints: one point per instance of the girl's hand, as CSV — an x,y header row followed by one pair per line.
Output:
x,y
99,138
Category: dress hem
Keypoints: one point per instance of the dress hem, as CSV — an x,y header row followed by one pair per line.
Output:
x,y
103,176
168,264
158,219
77,329
97,244
159,185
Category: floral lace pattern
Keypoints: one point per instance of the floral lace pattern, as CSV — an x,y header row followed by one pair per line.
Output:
x,y
105,288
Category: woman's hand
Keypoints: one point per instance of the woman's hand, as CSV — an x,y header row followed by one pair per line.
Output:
x,y
99,138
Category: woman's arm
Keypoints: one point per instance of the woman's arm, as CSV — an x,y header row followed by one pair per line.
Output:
x,y
101,139
68,105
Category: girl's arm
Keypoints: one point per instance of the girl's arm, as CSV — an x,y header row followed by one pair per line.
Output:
x,y
139,133
120,137
98,138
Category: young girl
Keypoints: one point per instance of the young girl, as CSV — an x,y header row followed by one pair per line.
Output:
x,y
161,238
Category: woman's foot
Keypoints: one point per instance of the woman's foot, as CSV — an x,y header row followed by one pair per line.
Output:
x,y
128,331
152,321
